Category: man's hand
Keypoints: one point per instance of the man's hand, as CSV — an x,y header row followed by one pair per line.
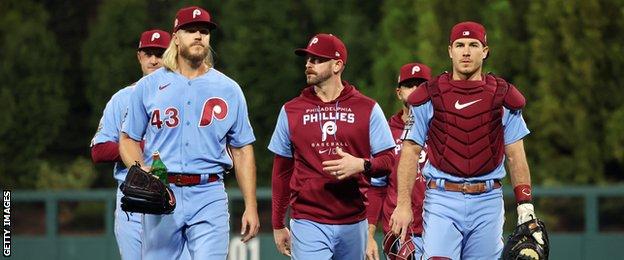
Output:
x,y
282,240
146,168
526,212
344,167
250,224
372,250
400,221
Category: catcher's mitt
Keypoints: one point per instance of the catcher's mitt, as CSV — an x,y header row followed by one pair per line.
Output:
x,y
522,243
144,193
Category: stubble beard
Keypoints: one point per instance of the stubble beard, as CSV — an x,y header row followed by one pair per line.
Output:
x,y
319,78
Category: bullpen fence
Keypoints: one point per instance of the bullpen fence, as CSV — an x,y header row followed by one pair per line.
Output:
x,y
583,222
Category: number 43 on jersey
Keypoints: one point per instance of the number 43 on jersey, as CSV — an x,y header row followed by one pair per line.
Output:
x,y
214,107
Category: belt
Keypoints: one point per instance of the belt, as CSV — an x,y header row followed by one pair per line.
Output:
x,y
465,187
181,179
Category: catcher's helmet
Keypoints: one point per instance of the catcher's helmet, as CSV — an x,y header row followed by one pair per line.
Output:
x,y
394,250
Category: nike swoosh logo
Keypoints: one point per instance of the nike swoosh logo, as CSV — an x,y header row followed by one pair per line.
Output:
x,y
163,86
323,151
459,106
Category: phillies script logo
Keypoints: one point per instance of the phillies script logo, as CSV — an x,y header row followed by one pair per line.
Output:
x,y
215,108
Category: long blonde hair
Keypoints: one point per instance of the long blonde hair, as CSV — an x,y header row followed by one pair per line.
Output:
x,y
170,57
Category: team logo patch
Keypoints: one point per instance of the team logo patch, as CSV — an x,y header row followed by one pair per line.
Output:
x,y
155,36
196,13
214,107
415,69
329,128
313,41
466,33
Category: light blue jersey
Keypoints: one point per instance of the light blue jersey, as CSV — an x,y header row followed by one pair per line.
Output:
x,y
514,129
189,122
110,125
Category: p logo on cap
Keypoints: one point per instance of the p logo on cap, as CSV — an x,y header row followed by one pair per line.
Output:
x,y
415,69
196,13
155,36
313,41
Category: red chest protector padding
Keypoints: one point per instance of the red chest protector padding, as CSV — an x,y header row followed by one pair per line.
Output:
x,y
465,136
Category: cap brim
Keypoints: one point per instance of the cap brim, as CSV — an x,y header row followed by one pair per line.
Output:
x,y
211,26
410,78
152,46
304,52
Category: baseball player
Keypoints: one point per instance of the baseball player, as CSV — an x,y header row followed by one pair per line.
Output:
x,y
382,195
190,113
470,123
323,141
105,143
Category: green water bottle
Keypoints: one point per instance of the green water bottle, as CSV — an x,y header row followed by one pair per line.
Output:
x,y
158,168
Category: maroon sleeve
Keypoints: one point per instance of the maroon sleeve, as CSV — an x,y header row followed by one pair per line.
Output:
x,y
382,163
376,196
280,186
105,152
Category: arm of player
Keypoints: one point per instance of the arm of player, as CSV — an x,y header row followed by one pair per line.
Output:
x,y
131,152
521,181
348,165
105,152
517,164
245,168
406,176
372,249
376,196
280,187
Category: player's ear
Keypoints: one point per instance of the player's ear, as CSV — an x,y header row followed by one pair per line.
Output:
x,y
486,51
175,39
449,52
338,66
398,92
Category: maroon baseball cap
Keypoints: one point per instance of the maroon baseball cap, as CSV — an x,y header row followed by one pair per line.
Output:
x,y
192,14
414,71
154,38
326,46
468,30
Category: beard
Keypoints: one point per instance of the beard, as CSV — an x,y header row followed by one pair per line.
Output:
x,y
315,79
193,58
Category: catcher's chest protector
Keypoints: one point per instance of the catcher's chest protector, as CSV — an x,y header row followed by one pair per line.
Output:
x,y
466,133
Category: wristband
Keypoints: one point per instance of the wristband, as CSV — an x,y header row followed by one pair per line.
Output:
x,y
523,193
